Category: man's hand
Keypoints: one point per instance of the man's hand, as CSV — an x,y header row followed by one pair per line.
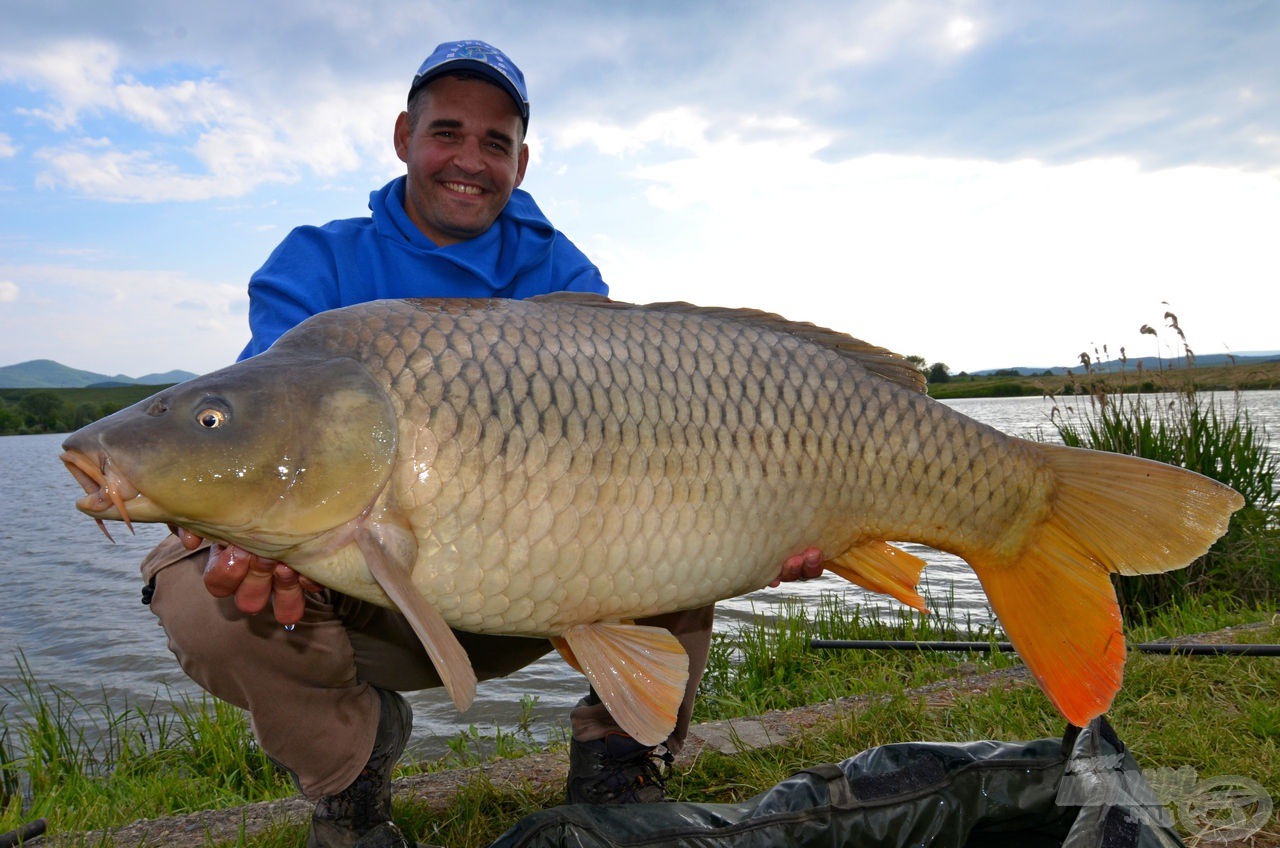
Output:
x,y
801,566
255,581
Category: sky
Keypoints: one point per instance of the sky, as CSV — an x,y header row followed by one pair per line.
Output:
x,y
983,184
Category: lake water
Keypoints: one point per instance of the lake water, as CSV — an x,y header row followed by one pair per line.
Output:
x,y
72,599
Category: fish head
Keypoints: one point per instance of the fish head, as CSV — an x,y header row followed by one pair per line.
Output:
x,y
263,454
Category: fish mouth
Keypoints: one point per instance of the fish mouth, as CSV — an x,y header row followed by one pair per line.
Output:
x,y
107,491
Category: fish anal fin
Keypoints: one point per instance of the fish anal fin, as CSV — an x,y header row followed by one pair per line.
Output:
x,y
639,673
881,567
389,553
1064,622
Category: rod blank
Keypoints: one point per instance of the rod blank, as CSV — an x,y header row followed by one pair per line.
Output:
x,y
1166,648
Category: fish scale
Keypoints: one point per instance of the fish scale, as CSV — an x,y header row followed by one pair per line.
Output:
x,y
626,403
563,465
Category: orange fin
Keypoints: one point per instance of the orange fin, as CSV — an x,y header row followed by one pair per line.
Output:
x,y
389,553
880,567
566,653
1136,516
638,672
1064,622
1111,513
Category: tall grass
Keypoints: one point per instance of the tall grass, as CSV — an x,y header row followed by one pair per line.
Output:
x,y
1206,433
767,664
88,766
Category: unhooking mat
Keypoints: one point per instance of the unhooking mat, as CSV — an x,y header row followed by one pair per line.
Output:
x,y
1082,791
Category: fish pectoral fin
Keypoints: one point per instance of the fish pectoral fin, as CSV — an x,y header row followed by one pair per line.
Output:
x,y
880,567
639,673
566,653
389,556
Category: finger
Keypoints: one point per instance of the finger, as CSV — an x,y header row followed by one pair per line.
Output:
x,y
225,571
189,540
254,593
309,585
286,597
812,565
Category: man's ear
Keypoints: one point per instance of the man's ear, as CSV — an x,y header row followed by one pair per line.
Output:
x,y
522,162
404,129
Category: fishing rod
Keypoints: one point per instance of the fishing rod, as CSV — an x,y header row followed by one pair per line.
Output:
x,y
26,833
1193,649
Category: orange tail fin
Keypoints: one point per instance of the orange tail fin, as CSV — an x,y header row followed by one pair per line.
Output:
x,y
1112,514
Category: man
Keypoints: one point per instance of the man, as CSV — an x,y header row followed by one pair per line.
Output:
x,y
322,691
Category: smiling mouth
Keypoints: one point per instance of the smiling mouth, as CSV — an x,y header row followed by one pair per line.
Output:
x,y
106,489
464,188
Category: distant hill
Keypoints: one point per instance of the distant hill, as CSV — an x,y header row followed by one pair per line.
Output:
x,y
47,374
1146,363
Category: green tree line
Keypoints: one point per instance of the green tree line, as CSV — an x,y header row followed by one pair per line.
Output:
x,y
28,411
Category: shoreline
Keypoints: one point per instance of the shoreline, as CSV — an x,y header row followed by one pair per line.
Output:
x,y
545,771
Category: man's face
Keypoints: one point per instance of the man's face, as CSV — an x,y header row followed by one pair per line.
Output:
x,y
465,155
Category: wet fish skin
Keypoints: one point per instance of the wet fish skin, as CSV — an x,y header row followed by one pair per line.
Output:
x,y
540,467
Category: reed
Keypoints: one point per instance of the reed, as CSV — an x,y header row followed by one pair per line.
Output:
x,y
1207,433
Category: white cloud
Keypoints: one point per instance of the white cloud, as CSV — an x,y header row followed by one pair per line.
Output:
x,y
77,74
962,34
9,291
198,138
127,321
1005,260
109,174
7,147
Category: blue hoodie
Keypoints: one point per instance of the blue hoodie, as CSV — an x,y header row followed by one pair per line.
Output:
x,y
386,256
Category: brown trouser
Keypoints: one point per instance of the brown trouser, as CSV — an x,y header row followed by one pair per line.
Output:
x,y
309,691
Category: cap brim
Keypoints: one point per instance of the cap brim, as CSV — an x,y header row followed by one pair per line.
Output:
x,y
471,66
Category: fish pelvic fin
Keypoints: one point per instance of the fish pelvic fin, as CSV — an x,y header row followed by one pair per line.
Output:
x,y
1110,514
639,673
389,552
880,567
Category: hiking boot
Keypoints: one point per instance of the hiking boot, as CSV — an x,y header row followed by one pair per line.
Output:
x,y
617,770
360,815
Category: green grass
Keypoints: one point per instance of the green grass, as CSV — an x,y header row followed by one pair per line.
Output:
x,y
145,762
770,666
1217,715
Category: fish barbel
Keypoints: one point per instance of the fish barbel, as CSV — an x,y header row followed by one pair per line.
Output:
x,y
563,465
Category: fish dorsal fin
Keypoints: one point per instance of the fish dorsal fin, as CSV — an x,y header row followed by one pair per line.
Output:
x,y
878,360
639,673
881,567
389,552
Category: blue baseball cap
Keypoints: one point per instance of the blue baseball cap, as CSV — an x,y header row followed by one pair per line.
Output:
x,y
480,58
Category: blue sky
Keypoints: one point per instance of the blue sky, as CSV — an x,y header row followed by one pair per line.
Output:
x,y
984,184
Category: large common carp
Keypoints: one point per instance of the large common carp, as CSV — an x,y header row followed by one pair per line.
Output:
x,y
563,465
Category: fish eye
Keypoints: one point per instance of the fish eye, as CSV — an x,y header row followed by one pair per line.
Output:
x,y
211,419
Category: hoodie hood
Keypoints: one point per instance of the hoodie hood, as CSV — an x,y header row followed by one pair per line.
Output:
x,y
520,239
